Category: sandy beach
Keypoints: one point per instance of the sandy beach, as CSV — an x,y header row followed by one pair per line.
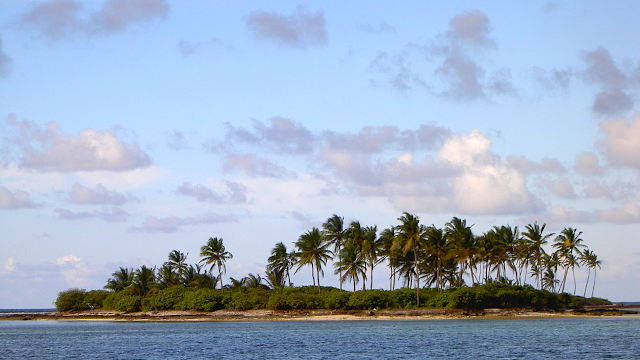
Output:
x,y
313,315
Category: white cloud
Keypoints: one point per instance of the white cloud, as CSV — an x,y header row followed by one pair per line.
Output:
x,y
100,195
112,214
587,163
300,29
62,18
235,193
621,141
174,223
49,150
627,213
560,186
17,199
9,265
5,61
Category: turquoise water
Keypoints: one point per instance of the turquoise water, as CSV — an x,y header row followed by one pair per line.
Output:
x,y
583,338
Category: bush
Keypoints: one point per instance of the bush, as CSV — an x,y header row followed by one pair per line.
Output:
x,y
95,298
369,299
166,299
122,301
337,300
203,300
71,299
463,298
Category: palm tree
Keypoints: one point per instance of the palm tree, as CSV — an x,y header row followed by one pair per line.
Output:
x,y
334,232
351,266
167,277
439,247
568,243
313,250
464,245
121,279
143,279
215,254
370,250
585,259
385,246
411,238
178,262
275,279
535,240
593,263
281,261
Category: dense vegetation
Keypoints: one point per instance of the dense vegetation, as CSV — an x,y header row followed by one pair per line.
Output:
x,y
436,261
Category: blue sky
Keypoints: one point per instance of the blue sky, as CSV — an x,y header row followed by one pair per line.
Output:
x,y
129,128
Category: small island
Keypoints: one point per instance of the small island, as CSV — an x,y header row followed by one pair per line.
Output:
x,y
431,265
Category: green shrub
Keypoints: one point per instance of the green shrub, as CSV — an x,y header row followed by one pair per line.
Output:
x,y
71,299
202,300
95,298
403,298
369,299
337,300
166,299
122,301
463,298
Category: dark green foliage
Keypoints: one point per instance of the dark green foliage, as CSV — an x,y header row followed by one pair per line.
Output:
x,y
166,299
338,300
95,298
122,301
72,299
403,298
368,300
203,300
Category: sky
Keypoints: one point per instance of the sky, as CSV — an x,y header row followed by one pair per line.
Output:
x,y
130,128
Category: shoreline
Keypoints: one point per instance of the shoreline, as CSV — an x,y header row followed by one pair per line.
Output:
x,y
316,315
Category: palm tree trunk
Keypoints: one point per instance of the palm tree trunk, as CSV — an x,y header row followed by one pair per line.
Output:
x,y
587,284
471,270
594,280
371,275
573,272
313,277
220,276
415,266
564,278
318,273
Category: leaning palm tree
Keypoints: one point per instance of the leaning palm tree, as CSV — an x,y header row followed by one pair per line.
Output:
x,y
411,238
370,250
121,279
280,262
313,250
178,262
334,231
594,263
351,266
215,255
585,259
534,239
568,244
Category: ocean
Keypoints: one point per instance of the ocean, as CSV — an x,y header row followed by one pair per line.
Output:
x,y
552,338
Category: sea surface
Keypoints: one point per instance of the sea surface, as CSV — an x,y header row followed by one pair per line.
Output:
x,y
553,338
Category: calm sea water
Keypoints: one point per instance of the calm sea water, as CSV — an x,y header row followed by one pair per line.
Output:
x,y
584,338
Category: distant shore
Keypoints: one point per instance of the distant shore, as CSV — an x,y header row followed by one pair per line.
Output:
x,y
316,315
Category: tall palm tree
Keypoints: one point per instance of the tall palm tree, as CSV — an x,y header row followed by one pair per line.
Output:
x,y
464,245
385,250
594,263
166,276
215,255
281,261
535,239
334,232
351,266
121,279
411,238
143,280
569,245
370,250
585,259
313,250
439,247
178,262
